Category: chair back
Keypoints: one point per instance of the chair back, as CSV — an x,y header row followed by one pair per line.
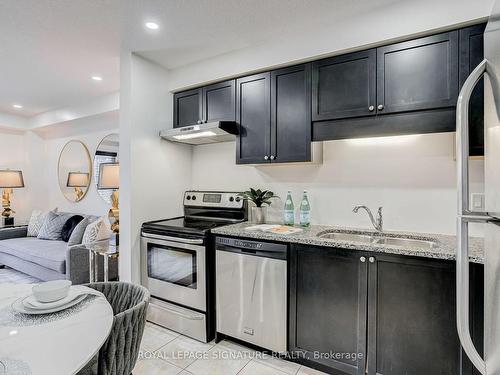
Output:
x,y
129,301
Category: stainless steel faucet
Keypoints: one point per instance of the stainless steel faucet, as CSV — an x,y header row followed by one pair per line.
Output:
x,y
379,223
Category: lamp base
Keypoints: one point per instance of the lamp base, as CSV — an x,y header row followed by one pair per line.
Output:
x,y
7,221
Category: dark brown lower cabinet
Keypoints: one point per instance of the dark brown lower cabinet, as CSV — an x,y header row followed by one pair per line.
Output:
x,y
396,314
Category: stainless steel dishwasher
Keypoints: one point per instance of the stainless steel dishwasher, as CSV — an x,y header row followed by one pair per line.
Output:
x,y
251,292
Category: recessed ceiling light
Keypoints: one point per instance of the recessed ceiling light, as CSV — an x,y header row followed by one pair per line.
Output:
x,y
97,78
152,25
17,106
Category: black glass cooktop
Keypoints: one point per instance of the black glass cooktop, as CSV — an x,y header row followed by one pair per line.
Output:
x,y
182,224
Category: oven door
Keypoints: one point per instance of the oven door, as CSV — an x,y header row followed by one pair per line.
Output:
x,y
174,269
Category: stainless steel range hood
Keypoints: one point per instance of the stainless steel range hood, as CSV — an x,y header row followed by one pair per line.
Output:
x,y
211,132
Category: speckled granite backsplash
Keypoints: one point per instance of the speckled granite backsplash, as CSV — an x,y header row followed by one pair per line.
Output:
x,y
445,245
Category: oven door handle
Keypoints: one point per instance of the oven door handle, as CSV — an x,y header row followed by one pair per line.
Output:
x,y
192,241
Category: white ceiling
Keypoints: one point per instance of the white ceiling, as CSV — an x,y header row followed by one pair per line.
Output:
x,y
49,49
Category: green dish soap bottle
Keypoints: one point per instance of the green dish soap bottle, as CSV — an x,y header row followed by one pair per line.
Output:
x,y
289,211
305,211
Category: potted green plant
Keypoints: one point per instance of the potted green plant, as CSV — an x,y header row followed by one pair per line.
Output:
x,y
261,199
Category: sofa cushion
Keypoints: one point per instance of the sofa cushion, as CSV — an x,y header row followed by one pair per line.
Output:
x,y
48,254
36,222
69,226
92,232
77,235
51,229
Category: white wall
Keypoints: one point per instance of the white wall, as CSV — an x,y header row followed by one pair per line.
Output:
x,y
37,155
154,173
90,131
412,177
13,155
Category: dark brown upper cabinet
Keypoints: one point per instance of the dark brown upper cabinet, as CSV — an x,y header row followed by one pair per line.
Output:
x,y
209,103
471,54
219,102
187,108
291,114
273,111
344,86
253,115
420,74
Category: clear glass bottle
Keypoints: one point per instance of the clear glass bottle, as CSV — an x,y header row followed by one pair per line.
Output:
x,y
289,211
305,211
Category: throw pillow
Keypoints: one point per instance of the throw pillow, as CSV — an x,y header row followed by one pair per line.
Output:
x,y
77,235
52,227
36,221
69,226
92,232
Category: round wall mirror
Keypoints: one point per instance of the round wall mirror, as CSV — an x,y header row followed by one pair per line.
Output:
x,y
74,171
106,155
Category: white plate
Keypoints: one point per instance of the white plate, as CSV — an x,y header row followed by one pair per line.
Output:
x,y
30,301
18,306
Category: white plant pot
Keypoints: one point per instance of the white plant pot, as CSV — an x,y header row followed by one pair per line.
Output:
x,y
259,215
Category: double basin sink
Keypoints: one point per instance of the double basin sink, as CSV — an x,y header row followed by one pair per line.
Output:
x,y
369,238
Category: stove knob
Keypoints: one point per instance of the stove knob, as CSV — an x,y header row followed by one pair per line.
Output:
x,y
238,199
231,199
194,197
188,197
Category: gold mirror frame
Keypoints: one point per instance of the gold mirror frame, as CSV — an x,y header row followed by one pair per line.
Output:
x,y
106,197
89,160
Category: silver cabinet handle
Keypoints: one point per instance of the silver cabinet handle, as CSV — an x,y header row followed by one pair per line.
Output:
x,y
371,259
266,157
464,215
362,259
371,108
272,157
380,107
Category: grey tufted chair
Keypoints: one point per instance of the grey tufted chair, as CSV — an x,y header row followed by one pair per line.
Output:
x,y
119,353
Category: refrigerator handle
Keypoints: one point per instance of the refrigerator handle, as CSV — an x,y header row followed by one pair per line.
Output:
x,y
462,138
464,216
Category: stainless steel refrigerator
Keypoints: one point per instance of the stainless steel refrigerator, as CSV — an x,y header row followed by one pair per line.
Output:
x,y
490,70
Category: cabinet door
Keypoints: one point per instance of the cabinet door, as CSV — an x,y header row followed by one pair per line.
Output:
x,y
187,108
219,102
471,54
253,115
327,308
291,126
412,317
344,86
419,74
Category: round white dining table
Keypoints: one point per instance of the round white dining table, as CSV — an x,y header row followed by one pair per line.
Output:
x,y
50,344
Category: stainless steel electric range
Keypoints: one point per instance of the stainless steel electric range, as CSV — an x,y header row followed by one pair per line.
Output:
x,y
178,262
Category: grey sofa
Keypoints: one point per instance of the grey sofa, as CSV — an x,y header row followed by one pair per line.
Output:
x,y
48,260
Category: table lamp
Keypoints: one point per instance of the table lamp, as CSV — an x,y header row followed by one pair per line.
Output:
x,y
78,180
9,180
109,179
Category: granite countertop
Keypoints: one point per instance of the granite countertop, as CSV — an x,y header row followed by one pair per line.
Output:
x,y
445,249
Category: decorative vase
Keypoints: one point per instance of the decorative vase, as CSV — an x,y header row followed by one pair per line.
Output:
x,y
259,215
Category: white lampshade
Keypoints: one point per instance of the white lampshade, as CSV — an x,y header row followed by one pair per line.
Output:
x,y
109,176
11,179
77,179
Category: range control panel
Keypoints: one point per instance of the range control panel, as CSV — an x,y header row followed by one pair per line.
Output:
x,y
213,199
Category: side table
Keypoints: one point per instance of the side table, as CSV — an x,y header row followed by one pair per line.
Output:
x,y
107,251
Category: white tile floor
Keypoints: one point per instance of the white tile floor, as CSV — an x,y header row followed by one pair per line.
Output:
x,y
166,352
